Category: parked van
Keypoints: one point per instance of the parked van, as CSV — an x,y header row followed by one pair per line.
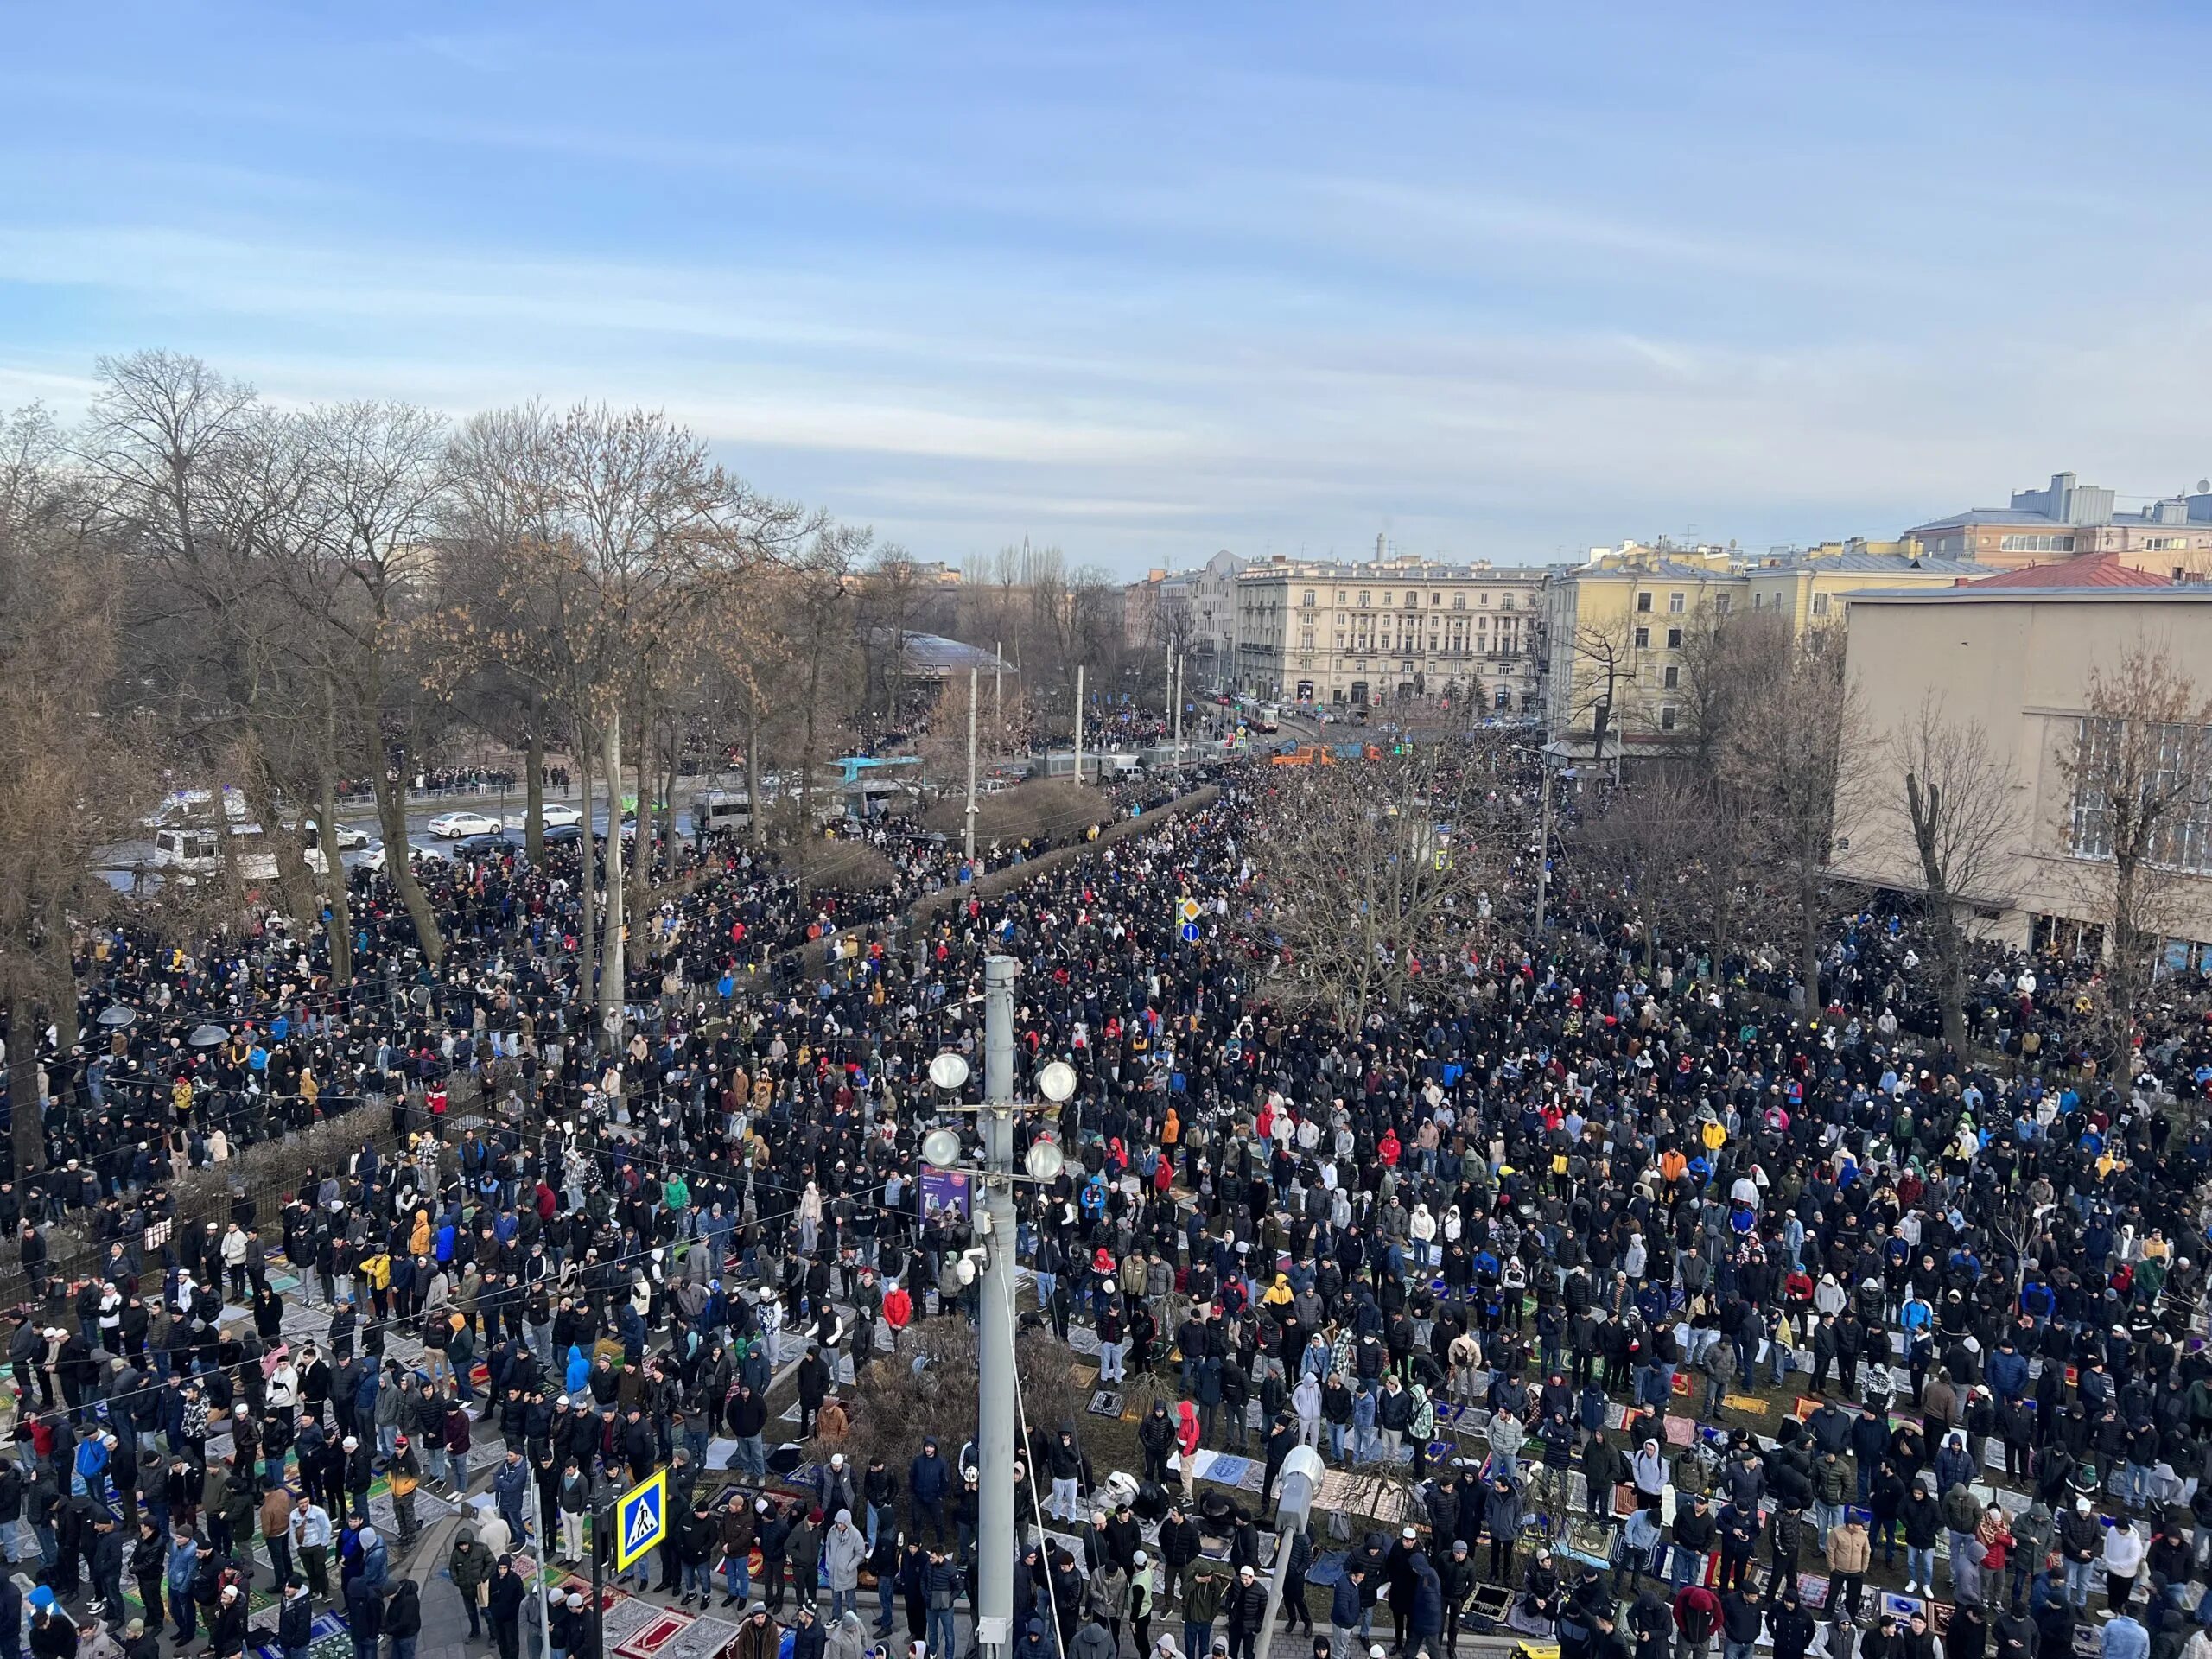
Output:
x,y
193,848
719,812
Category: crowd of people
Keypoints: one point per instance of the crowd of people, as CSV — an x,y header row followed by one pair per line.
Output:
x,y
1549,1243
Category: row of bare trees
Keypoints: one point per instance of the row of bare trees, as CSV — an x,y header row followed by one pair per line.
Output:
x,y
200,586
1733,840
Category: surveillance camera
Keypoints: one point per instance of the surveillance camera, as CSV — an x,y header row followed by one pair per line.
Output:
x,y
966,1271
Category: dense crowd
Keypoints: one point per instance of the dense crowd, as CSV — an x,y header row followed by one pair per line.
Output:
x,y
1564,1186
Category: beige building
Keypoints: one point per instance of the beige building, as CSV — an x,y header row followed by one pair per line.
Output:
x,y
1198,606
1626,630
2014,657
1344,636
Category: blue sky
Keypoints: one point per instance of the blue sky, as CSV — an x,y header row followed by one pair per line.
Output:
x,y
1505,282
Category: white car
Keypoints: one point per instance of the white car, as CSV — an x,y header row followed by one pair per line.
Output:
x,y
554,814
453,825
374,858
351,836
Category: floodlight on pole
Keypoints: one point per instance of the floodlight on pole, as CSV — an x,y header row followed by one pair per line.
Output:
x,y
1044,1160
941,1149
948,1071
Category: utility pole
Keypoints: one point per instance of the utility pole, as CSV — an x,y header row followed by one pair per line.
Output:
x,y
1078,722
998,683
996,1405
998,1245
544,1569
1177,682
1543,848
968,845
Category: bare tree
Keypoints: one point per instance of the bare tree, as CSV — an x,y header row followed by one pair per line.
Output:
x,y
1374,871
1605,709
2138,765
1002,730
1729,661
1661,856
1954,797
62,760
1788,761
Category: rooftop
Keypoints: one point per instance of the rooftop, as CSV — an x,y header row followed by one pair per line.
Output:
x,y
1399,570
2067,503
2090,570
1993,593
932,653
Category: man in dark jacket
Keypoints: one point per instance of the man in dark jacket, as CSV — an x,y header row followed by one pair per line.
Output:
x,y
1424,1623
503,1607
1246,1608
1178,1547
929,1483
295,1619
1742,1619
1455,1579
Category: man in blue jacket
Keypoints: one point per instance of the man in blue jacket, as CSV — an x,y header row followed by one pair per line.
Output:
x,y
929,1483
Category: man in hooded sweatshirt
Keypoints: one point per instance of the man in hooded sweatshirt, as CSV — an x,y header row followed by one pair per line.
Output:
x,y
844,1549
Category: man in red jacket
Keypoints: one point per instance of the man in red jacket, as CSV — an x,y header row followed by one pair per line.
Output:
x,y
1697,1616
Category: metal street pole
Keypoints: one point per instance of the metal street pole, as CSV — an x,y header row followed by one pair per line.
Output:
x,y
544,1566
996,1402
1179,672
1078,722
968,846
1543,848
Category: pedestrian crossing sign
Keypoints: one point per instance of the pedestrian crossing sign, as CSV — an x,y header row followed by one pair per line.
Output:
x,y
640,1520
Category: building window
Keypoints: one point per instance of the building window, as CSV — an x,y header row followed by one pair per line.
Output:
x,y
1820,604
1671,678
2184,842
1413,600
1666,717
2165,544
1643,603
1674,638
1720,603
1306,603
1506,603
1458,601
1674,604
1436,599
1759,601
1644,639
1362,599
2035,544
1485,598
1340,596
1306,640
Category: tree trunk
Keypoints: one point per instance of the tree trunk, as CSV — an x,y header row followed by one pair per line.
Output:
x,y
667,793
533,789
28,1130
294,884
2128,947
612,955
640,899
392,818
340,928
806,776
587,935
752,790
1808,940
